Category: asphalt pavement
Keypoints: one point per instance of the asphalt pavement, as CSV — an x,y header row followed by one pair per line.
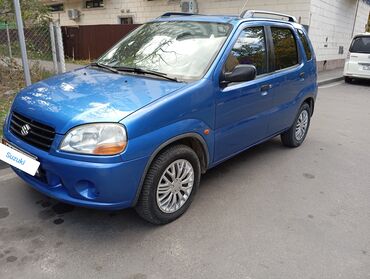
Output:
x,y
271,212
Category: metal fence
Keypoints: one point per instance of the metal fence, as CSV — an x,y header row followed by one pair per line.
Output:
x,y
89,42
44,45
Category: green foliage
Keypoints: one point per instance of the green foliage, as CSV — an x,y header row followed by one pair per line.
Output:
x,y
33,11
12,80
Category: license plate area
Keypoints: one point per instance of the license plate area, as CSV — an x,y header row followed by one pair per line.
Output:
x,y
18,158
365,67
8,144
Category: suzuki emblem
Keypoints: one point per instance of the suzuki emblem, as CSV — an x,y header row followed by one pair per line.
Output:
x,y
25,130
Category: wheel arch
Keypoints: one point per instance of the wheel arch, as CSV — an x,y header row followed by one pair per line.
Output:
x,y
193,140
311,102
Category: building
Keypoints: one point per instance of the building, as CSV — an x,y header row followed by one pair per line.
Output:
x,y
331,24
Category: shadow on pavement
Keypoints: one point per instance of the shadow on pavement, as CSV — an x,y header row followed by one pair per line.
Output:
x,y
360,82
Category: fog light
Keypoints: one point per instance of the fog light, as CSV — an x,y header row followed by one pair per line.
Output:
x,y
87,189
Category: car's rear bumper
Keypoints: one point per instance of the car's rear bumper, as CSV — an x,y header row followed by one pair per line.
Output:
x,y
88,184
355,70
356,75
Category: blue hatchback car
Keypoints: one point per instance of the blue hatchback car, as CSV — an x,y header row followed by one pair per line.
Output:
x,y
176,97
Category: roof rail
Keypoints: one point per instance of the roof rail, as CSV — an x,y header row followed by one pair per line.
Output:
x,y
251,14
169,14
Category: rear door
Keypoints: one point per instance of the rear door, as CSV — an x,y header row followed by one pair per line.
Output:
x,y
291,78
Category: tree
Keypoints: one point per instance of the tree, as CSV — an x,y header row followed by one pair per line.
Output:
x,y
33,11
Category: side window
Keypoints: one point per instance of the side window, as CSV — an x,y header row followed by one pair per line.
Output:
x,y
286,53
305,43
249,49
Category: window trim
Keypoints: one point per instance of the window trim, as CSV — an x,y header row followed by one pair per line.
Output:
x,y
267,48
308,43
273,58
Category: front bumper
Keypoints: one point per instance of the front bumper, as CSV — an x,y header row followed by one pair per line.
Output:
x,y
104,185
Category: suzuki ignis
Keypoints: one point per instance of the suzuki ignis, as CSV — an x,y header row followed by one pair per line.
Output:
x,y
176,97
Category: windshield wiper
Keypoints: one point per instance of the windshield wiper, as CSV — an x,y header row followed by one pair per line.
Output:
x,y
143,71
103,66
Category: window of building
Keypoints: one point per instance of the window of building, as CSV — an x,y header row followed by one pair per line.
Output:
x,y
126,20
249,49
305,43
94,4
285,45
56,8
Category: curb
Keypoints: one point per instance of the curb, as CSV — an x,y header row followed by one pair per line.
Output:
x,y
331,80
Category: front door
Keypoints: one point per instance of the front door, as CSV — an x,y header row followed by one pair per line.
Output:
x,y
242,109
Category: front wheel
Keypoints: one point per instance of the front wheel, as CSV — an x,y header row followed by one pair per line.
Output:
x,y
170,185
296,135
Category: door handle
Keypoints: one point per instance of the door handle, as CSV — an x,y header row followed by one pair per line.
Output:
x,y
302,75
266,87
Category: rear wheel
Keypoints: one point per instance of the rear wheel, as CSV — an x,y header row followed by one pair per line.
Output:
x,y
296,135
348,79
170,185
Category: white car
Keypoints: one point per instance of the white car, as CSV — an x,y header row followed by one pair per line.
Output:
x,y
358,61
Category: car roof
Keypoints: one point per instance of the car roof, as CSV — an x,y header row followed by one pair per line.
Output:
x,y
228,19
199,18
367,34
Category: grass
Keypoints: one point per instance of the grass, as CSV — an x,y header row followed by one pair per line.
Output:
x,y
79,62
33,52
12,81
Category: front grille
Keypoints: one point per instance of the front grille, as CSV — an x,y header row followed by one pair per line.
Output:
x,y
39,135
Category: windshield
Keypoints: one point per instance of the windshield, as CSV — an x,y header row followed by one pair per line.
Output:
x,y
361,45
180,49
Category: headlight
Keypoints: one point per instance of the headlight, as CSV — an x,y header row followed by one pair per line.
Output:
x,y
96,139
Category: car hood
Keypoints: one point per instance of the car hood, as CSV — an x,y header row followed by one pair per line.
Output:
x,y
88,95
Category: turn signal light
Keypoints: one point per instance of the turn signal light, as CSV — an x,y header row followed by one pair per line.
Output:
x,y
110,148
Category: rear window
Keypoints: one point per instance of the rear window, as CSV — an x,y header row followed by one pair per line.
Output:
x,y
361,45
286,54
305,43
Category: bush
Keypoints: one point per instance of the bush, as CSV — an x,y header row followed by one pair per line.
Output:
x,y
12,81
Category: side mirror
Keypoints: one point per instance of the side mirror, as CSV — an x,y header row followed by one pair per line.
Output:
x,y
241,73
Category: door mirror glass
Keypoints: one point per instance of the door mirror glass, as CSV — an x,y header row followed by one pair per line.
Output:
x,y
241,73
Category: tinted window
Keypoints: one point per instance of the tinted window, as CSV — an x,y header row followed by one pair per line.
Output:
x,y
305,43
250,49
286,54
361,45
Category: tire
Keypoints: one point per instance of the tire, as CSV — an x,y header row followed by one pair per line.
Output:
x,y
156,182
348,79
292,138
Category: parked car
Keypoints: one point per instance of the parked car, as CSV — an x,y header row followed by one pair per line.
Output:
x,y
176,97
357,64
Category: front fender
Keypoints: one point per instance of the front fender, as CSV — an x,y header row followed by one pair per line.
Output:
x,y
148,144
